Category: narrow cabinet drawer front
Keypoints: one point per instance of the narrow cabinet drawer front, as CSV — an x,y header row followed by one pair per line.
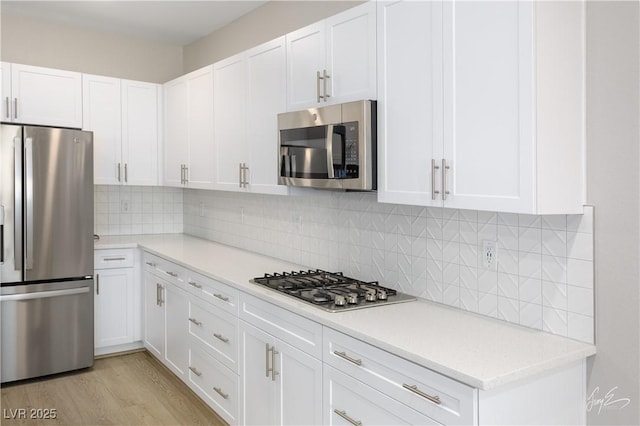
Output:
x,y
299,332
214,292
164,268
217,331
214,383
434,395
113,258
351,401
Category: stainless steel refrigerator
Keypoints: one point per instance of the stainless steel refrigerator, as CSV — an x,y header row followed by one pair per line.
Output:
x,y
46,281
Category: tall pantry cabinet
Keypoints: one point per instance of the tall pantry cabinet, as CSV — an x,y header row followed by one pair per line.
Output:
x,y
486,111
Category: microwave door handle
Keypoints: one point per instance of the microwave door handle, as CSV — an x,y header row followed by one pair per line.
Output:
x,y
329,145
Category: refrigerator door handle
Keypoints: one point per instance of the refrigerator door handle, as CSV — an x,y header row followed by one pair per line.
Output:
x,y
17,203
28,151
1,235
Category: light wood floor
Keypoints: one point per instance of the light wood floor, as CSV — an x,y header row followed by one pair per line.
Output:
x,y
132,389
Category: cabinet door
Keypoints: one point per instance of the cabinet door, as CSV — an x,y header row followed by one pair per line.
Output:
x,y
140,132
409,101
258,392
46,96
229,121
200,172
176,135
154,315
488,111
351,54
113,304
266,97
101,113
176,353
305,58
5,109
300,386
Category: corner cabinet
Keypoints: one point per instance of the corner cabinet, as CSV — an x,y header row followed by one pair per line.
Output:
x,y
487,112
188,136
41,96
124,117
250,93
334,60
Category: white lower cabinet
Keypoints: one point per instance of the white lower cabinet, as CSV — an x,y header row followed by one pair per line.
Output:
x,y
154,314
116,302
351,401
176,354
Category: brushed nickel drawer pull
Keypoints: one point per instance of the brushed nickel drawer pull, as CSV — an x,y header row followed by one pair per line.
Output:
x,y
151,264
221,297
343,355
194,284
222,394
173,274
221,337
344,415
195,371
196,322
414,389
111,259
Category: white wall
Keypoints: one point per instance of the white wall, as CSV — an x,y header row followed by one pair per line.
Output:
x,y
613,76
35,42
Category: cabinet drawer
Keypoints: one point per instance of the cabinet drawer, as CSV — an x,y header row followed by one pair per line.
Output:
x,y
212,291
351,401
293,329
113,258
213,382
216,330
164,268
434,395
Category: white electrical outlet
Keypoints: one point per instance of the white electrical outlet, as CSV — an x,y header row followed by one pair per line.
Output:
x,y
489,254
124,206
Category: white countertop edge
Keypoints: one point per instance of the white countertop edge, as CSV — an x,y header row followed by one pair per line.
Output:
x,y
314,314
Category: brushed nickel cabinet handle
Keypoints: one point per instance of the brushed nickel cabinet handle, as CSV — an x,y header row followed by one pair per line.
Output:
x,y
194,284
195,371
112,259
8,112
221,297
414,389
119,172
151,264
196,322
221,337
222,394
325,77
274,373
434,169
343,355
15,107
173,274
344,415
186,174
126,174
158,294
445,168
318,78
97,283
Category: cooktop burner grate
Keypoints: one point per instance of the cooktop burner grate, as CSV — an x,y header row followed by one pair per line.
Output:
x,y
331,291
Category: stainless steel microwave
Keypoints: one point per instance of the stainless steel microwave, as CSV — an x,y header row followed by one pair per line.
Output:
x,y
332,147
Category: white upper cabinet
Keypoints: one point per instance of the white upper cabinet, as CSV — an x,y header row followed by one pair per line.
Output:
x,y
5,108
250,92
189,149
487,112
123,116
43,96
334,60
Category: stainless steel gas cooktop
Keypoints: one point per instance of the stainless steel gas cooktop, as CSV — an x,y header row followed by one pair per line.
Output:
x,y
331,291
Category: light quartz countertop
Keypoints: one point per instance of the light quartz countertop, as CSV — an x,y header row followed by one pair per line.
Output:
x,y
482,352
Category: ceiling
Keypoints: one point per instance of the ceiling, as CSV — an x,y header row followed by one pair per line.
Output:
x,y
175,22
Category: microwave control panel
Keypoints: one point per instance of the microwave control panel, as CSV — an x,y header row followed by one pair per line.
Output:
x,y
351,158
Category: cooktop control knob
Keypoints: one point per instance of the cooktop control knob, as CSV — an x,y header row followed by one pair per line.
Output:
x,y
340,300
382,295
352,298
371,296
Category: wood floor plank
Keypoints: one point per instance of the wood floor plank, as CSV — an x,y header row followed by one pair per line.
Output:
x,y
132,389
